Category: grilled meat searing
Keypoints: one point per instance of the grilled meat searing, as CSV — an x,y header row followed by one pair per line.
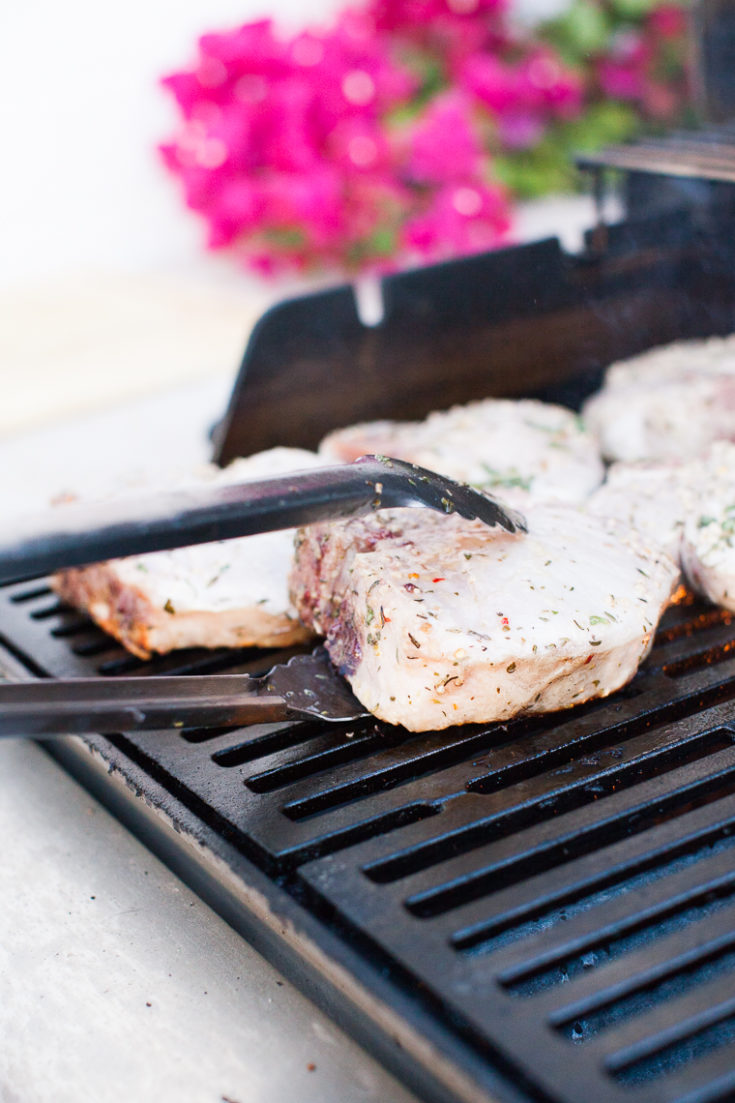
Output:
x,y
232,593
522,450
438,621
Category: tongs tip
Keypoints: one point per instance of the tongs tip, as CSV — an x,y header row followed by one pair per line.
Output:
x,y
398,482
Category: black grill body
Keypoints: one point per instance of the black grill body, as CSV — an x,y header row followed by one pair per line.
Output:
x,y
542,910
537,910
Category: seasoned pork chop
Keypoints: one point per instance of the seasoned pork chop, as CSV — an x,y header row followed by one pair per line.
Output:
x,y
655,499
523,450
438,621
708,541
688,509
669,404
232,593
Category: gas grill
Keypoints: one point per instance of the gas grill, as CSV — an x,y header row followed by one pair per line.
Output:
x,y
539,910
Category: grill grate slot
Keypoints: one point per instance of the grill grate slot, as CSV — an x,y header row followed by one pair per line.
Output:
x,y
53,610
204,735
416,765
565,849
503,930
21,596
92,647
121,664
261,745
710,966
635,1068
687,624
593,785
709,656
211,662
73,626
668,919
356,747
378,826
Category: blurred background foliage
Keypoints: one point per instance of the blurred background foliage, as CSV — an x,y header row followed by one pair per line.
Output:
x,y
406,130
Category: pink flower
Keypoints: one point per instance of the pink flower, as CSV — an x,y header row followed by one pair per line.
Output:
x,y
395,15
461,219
523,96
287,133
493,82
200,185
359,145
251,48
520,130
443,144
450,30
311,204
237,208
356,72
667,21
659,100
622,74
186,90
620,81
370,141
546,83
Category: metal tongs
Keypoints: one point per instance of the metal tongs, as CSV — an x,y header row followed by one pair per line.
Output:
x,y
307,686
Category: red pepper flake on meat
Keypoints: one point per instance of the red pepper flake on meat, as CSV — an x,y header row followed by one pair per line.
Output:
x,y
438,580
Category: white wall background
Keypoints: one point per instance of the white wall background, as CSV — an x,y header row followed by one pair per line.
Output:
x,y
80,115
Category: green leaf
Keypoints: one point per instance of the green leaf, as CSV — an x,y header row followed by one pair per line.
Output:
x,y
383,242
602,124
404,114
534,172
286,237
632,9
586,27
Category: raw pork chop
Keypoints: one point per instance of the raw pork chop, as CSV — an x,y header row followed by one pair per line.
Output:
x,y
655,499
688,509
670,403
232,593
708,542
524,450
438,621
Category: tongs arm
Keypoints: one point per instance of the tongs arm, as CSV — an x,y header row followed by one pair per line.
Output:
x,y
78,705
304,688
75,535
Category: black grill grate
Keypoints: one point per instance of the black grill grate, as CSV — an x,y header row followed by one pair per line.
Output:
x,y
557,893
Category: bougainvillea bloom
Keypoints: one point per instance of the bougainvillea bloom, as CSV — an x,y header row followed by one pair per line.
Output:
x,y
461,218
444,144
382,139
